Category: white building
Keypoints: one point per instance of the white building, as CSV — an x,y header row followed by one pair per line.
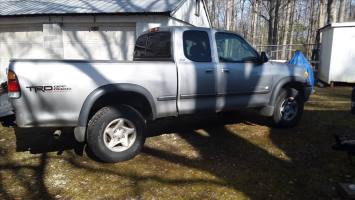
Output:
x,y
337,57
86,29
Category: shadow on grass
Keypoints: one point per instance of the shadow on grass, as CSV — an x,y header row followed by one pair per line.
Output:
x,y
32,176
36,189
310,172
41,140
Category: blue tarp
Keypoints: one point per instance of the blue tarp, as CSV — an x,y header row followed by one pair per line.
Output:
x,y
300,59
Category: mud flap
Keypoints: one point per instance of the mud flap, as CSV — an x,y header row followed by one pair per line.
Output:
x,y
7,117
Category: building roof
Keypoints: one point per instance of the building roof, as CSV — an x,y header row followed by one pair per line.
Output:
x,y
338,25
59,7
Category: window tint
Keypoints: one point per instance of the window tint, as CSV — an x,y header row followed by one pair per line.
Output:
x,y
232,48
139,50
197,46
153,46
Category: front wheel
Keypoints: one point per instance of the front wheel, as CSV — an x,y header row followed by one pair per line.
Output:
x,y
116,133
288,108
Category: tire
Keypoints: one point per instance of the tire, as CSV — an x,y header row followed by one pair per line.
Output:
x,y
289,108
120,124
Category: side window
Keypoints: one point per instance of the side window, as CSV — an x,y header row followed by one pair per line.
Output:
x,y
197,46
153,46
232,48
139,49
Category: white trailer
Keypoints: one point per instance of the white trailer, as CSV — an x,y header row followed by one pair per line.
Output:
x,y
337,56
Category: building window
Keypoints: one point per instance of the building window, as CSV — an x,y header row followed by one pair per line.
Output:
x,y
197,7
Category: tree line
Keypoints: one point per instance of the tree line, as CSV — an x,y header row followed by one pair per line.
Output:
x,y
279,22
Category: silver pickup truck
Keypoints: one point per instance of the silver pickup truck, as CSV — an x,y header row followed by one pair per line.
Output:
x,y
176,71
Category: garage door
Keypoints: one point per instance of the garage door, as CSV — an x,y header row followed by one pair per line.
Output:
x,y
99,41
23,41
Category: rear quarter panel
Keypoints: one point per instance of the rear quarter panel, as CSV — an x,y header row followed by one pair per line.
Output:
x,y
62,108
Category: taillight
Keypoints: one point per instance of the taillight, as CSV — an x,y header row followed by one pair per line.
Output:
x,y
13,86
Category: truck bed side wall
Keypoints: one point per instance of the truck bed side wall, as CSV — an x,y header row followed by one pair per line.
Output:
x,y
67,84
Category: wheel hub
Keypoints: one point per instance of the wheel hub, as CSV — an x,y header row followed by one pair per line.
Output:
x,y
289,109
119,135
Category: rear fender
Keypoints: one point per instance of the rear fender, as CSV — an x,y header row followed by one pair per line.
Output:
x,y
80,130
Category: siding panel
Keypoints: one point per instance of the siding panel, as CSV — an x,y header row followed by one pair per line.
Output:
x,y
103,41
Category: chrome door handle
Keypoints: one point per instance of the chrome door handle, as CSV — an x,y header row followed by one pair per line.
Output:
x,y
224,70
209,71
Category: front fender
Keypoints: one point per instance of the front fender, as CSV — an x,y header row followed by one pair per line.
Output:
x,y
269,109
281,83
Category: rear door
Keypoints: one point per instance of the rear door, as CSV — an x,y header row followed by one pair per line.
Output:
x,y
197,73
160,74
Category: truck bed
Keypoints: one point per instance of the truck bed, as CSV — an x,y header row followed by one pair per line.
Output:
x,y
54,91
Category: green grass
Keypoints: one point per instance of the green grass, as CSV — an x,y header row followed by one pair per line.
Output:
x,y
229,156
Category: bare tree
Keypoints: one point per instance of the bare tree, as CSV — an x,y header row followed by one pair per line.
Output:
x,y
321,15
292,18
332,12
279,22
229,15
286,29
342,11
276,22
255,8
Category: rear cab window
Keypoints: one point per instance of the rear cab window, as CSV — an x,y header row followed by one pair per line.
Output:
x,y
197,46
153,47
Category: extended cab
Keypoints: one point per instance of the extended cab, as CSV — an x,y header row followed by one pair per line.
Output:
x,y
176,71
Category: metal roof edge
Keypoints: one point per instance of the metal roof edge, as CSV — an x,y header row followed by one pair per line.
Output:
x,y
343,24
207,12
177,7
87,14
338,25
179,20
204,6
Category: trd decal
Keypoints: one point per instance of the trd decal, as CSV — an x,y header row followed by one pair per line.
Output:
x,y
49,88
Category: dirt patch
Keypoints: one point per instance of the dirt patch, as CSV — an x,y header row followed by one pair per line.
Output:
x,y
228,156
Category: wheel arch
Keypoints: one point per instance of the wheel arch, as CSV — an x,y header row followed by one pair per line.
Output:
x,y
292,81
103,95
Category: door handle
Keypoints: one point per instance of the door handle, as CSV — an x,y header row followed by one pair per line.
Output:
x,y
225,70
209,71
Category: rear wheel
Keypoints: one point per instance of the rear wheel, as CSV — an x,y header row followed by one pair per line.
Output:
x,y
288,108
116,133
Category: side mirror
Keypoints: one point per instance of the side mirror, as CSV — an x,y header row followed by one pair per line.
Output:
x,y
264,57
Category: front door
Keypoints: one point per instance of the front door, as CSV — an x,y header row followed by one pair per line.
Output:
x,y
244,81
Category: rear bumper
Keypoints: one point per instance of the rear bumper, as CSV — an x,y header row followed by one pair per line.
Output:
x,y
6,108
